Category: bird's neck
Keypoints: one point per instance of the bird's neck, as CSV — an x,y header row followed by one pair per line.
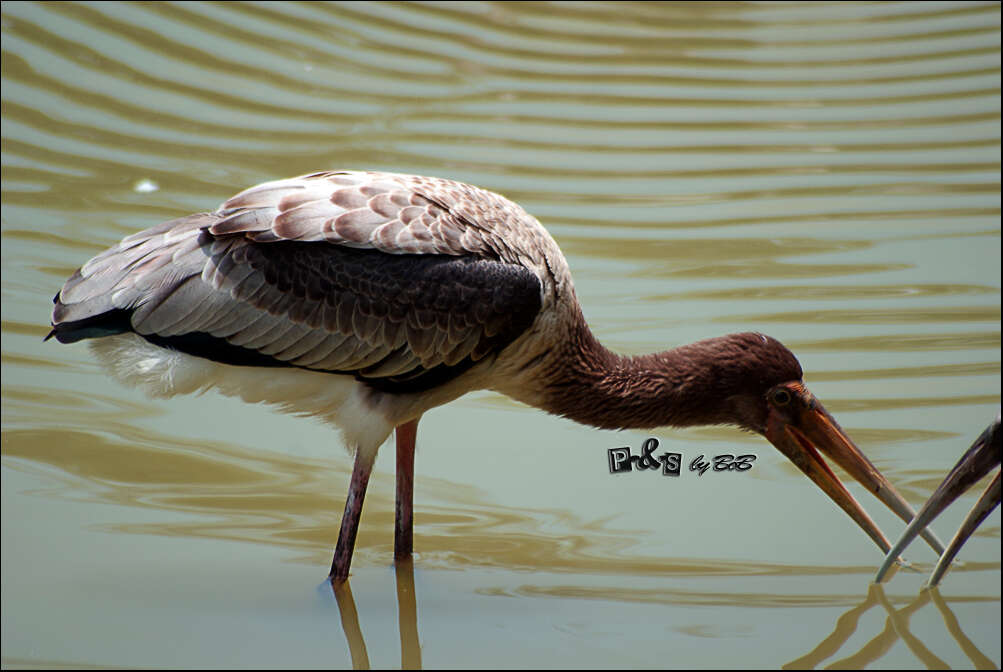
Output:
x,y
592,385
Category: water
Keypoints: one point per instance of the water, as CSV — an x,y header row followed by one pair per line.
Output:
x,y
825,173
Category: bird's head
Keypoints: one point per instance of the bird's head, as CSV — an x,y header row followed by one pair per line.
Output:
x,y
753,381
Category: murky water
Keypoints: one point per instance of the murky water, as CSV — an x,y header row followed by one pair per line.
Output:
x,y
825,173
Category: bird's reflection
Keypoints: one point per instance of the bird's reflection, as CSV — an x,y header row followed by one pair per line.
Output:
x,y
846,625
407,615
350,624
896,628
899,621
407,618
979,659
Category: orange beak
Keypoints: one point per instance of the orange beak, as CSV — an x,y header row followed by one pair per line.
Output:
x,y
801,428
977,461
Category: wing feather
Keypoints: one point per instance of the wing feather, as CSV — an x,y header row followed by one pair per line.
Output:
x,y
397,214
235,318
321,351
284,339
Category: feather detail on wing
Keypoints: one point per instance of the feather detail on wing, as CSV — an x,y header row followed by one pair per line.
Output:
x,y
396,214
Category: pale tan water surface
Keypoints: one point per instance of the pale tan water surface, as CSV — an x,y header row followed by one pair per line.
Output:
x,y
825,173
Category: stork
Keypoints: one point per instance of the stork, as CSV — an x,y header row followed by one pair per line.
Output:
x,y
369,298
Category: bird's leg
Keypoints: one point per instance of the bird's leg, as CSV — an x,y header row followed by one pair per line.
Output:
x,y
404,522
353,512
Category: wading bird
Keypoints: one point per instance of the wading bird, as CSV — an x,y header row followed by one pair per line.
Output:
x,y
978,460
369,298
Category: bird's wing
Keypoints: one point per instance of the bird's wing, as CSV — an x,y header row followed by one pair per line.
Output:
x,y
266,282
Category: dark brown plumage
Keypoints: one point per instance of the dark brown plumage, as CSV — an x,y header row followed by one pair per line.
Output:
x,y
369,298
717,381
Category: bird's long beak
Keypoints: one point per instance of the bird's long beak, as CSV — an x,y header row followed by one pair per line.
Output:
x,y
803,427
978,460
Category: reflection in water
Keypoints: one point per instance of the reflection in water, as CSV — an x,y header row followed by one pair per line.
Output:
x,y
407,605
407,619
350,624
899,621
979,659
845,627
896,627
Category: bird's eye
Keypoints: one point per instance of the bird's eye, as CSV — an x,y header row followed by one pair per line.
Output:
x,y
780,396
